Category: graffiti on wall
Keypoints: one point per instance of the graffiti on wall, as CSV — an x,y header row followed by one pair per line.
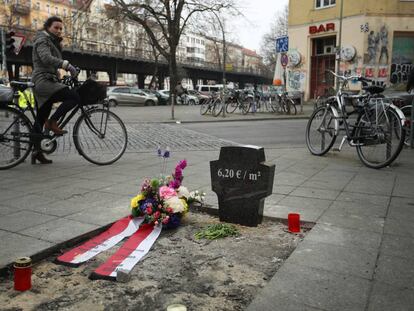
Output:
x,y
378,42
296,80
402,58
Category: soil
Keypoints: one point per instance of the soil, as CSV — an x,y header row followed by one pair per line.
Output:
x,y
203,275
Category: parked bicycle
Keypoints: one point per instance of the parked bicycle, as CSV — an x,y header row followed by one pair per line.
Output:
x,y
213,105
98,134
284,104
240,99
377,132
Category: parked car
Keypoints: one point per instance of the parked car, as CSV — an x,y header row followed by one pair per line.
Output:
x,y
201,97
118,95
162,98
189,99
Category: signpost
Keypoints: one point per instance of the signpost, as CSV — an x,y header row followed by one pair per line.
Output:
x,y
282,44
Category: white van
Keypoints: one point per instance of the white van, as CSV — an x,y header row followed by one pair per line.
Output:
x,y
207,89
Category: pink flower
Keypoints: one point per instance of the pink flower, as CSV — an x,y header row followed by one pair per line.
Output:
x,y
156,223
182,164
178,173
167,192
175,184
166,220
149,210
157,215
169,210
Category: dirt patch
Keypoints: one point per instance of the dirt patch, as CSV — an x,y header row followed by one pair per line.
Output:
x,y
204,275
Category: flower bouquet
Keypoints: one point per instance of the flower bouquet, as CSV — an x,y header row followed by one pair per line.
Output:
x,y
164,200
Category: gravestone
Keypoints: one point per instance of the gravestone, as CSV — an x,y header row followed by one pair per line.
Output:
x,y
242,179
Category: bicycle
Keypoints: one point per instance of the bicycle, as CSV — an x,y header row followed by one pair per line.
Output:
x,y
212,105
98,134
284,104
377,133
239,99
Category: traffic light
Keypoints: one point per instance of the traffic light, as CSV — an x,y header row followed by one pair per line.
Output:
x,y
10,47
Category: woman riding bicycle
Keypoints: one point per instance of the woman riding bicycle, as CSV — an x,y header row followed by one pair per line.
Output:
x,y
47,60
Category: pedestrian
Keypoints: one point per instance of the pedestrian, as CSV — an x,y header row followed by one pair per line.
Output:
x,y
180,91
47,60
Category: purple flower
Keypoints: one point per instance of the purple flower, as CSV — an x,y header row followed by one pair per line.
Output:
x,y
159,152
175,184
174,221
148,203
166,153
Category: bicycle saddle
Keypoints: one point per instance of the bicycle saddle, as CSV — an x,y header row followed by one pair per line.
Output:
x,y
373,89
21,86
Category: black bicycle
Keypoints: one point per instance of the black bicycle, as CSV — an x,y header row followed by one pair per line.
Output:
x,y
377,130
99,135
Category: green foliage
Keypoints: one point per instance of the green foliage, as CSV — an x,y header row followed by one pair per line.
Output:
x,y
217,231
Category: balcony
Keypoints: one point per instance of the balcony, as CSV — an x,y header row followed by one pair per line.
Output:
x,y
21,7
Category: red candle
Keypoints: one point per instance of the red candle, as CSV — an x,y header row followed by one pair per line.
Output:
x,y
23,274
294,222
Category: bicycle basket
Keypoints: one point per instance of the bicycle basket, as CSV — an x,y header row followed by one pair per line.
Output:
x,y
6,96
91,92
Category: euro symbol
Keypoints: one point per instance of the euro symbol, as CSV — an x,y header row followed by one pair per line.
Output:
x,y
238,174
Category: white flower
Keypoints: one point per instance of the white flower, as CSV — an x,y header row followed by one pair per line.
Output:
x,y
176,204
183,192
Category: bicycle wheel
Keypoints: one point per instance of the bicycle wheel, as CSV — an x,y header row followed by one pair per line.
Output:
x,y
15,143
246,104
321,130
205,107
290,107
406,110
217,107
100,136
379,143
231,106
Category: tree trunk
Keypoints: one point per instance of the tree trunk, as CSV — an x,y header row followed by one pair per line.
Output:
x,y
173,81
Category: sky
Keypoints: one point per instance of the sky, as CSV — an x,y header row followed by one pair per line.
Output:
x,y
260,14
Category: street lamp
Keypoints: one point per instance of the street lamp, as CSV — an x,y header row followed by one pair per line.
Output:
x,y
224,63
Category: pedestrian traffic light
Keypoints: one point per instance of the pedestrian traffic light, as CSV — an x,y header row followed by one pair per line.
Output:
x,y
10,47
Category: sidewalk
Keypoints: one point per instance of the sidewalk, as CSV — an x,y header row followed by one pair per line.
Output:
x,y
358,256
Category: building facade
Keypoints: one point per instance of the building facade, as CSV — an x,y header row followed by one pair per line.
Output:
x,y
376,40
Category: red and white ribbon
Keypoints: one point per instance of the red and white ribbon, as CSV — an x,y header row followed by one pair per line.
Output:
x,y
121,229
130,253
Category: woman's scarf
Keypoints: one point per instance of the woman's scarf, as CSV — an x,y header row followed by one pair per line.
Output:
x,y
57,41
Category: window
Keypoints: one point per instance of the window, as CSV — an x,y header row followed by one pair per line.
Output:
x,y
121,90
34,26
48,9
56,10
64,12
324,3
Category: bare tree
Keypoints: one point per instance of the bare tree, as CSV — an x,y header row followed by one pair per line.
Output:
x,y
169,18
277,29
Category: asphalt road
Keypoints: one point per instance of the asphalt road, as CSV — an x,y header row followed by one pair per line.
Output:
x,y
269,134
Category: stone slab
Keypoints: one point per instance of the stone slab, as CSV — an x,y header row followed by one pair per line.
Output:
x,y
307,192
59,230
395,271
385,297
22,220
338,259
313,287
399,246
399,227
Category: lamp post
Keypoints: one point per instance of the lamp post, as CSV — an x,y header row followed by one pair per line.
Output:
x,y
338,56
224,63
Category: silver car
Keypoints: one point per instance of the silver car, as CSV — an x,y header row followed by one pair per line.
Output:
x,y
118,95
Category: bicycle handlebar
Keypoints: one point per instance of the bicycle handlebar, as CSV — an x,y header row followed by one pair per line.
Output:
x,y
359,78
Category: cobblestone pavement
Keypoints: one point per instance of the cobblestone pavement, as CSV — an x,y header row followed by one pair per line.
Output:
x,y
145,137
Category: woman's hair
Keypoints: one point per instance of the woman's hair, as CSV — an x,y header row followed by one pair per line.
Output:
x,y
50,21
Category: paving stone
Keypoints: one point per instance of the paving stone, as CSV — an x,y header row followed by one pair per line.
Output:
x,y
315,193
59,230
313,287
345,237
363,198
343,219
16,245
27,201
399,246
402,208
6,210
404,187
280,189
100,215
359,208
61,207
399,227
22,220
347,260
290,179
395,271
385,297
282,211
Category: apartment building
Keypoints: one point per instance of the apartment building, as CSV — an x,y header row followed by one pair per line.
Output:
x,y
377,41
